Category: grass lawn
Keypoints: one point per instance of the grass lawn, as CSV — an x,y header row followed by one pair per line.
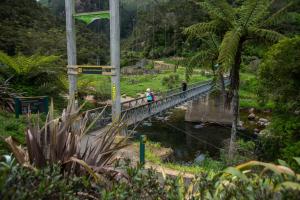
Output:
x,y
134,85
248,92
209,165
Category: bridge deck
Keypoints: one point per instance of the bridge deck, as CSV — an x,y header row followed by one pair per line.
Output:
x,y
138,109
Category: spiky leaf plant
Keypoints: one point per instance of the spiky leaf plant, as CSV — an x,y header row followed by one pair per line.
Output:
x,y
251,20
64,141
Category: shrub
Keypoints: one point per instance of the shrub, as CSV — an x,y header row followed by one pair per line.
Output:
x,y
252,180
171,81
279,74
49,183
281,139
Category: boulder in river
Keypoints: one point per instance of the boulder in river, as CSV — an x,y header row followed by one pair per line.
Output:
x,y
251,117
251,110
159,118
147,124
198,126
263,120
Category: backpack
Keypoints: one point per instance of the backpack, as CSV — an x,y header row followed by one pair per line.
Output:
x,y
152,96
149,96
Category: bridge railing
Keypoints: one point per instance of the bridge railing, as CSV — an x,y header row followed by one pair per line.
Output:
x,y
159,95
141,112
139,109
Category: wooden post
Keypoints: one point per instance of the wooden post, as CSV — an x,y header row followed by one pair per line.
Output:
x,y
71,47
115,58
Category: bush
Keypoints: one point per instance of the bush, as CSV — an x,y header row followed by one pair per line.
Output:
x,y
171,81
10,126
279,74
48,183
281,139
241,182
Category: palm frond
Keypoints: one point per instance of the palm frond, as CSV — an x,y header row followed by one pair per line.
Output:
x,y
198,60
279,16
252,11
265,35
229,47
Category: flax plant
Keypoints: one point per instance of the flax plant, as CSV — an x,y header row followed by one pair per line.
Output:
x,y
64,141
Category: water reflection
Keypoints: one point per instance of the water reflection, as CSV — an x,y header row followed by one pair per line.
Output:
x,y
186,139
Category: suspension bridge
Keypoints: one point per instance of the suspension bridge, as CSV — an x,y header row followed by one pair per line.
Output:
x,y
137,110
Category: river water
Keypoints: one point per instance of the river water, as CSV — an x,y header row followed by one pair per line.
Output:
x,y
186,139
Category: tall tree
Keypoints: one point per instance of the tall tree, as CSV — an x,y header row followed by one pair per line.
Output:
x,y
251,20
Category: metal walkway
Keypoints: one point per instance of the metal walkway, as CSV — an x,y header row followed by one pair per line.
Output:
x,y
138,109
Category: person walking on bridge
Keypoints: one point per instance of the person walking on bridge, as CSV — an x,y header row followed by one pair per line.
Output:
x,y
149,95
150,98
184,88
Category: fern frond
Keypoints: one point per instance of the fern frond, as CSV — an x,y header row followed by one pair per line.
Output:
x,y
219,9
265,35
278,17
201,29
229,47
213,43
9,62
252,11
200,59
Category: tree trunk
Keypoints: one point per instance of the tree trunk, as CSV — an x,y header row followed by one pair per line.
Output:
x,y
222,84
234,86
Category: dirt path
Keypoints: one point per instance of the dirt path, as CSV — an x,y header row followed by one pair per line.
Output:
x,y
132,153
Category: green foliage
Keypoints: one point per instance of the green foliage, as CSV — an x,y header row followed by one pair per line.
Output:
x,y
10,126
205,58
29,28
142,185
171,81
244,151
279,75
252,180
21,183
43,73
59,142
233,183
157,26
281,139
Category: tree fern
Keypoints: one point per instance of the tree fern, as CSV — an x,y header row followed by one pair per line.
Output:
x,y
238,24
229,47
201,29
7,61
278,17
252,11
265,35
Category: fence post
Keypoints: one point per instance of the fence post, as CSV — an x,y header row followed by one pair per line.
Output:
x,y
143,140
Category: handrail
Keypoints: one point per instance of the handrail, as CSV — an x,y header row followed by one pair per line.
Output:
x,y
160,100
167,92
